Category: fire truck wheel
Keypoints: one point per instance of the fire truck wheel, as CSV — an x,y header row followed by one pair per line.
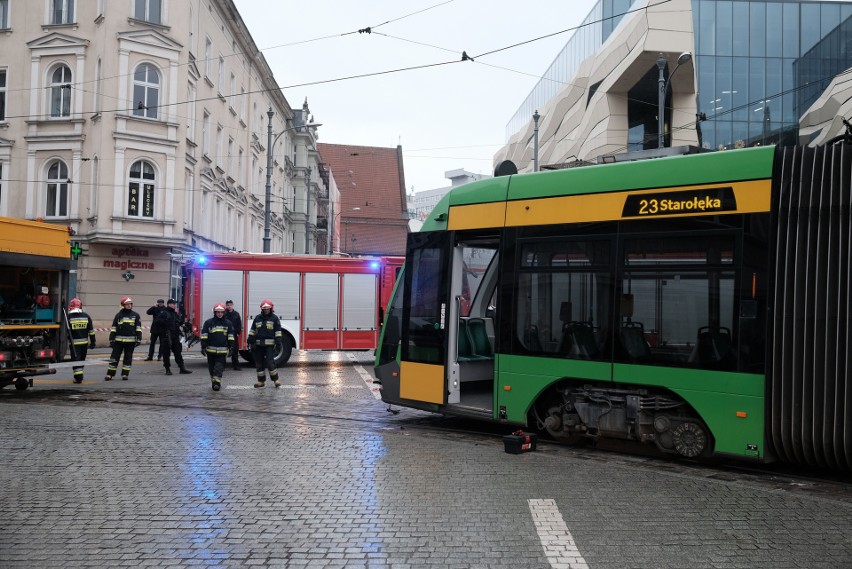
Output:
x,y
21,383
284,355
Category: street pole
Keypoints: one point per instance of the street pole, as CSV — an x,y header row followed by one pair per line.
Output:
x,y
664,87
661,102
535,143
330,232
266,239
307,209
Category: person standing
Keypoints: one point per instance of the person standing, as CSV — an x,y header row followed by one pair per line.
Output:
x,y
124,336
155,332
237,322
82,335
217,340
265,339
170,323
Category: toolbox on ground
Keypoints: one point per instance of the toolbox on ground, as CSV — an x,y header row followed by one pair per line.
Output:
x,y
519,442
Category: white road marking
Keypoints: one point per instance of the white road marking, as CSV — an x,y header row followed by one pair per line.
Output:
x,y
558,544
368,379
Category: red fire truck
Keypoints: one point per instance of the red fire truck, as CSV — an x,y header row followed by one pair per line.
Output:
x,y
324,303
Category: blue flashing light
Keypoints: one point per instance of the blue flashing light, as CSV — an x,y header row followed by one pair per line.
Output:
x,y
201,260
374,265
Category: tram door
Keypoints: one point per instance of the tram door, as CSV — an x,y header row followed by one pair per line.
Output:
x,y
447,342
427,314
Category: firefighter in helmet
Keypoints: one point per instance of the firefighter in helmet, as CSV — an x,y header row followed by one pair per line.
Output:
x,y
82,335
124,336
217,341
265,340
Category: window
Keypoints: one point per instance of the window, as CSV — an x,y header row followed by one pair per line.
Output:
x,y
221,74
219,146
60,92
57,190
140,199
146,91
205,134
62,12
232,91
678,299
2,95
149,11
4,14
230,161
98,72
564,288
208,53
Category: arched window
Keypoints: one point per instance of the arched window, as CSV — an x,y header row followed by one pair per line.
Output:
x,y
146,91
56,201
140,199
60,92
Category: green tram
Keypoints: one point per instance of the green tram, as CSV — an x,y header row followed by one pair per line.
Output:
x,y
697,303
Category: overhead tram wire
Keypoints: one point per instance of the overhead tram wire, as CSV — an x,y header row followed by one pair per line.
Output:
x,y
465,57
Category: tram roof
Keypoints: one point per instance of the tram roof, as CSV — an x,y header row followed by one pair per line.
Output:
x,y
705,168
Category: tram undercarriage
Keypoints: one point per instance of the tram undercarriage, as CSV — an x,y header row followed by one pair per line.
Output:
x,y
572,413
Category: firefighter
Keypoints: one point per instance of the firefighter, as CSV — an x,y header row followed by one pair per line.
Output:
x,y
217,341
237,323
82,335
170,324
124,336
156,334
265,340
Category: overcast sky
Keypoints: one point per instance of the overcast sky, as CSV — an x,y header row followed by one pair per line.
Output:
x,y
448,116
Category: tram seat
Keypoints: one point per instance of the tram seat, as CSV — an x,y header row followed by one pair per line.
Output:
x,y
713,349
633,341
466,351
578,341
532,340
479,338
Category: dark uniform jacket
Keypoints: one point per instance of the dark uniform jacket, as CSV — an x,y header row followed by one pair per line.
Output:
x,y
236,321
265,330
169,324
155,311
217,336
82,331
126,327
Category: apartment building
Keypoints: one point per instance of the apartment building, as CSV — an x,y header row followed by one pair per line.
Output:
x,y
144,126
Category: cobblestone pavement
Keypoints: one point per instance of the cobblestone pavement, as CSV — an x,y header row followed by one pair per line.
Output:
x,y
163,472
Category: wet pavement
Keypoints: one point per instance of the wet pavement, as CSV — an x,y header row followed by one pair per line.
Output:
x,y
160,471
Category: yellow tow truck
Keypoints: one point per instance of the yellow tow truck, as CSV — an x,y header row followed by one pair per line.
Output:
x,y
35,265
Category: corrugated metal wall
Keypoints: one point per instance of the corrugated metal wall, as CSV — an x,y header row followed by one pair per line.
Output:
x,y
810,390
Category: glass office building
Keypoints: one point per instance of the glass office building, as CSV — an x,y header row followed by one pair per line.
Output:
x,y
759,65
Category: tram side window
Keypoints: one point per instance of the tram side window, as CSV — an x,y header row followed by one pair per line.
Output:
x,y
426,322
677,304
563,293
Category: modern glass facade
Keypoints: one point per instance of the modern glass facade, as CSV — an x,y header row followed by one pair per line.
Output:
x,y
759,65
586,40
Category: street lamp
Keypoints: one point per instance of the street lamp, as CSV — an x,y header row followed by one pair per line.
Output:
x,y
664,85
535,144
270,142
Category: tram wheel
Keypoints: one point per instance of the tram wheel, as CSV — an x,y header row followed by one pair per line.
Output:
x,y
689,439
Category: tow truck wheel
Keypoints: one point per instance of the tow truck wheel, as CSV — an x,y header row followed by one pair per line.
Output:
x,y
21,383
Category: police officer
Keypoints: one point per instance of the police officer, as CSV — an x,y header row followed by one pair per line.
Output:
x,y
170,324
155,332
124,336
217,339
265,339
82,335
237,323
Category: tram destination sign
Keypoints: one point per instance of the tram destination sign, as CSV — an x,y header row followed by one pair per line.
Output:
x,y
682,202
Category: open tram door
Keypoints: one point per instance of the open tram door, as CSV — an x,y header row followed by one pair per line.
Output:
x,y
447,355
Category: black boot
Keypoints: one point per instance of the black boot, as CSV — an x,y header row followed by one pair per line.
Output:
x,y
168,371
184,370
